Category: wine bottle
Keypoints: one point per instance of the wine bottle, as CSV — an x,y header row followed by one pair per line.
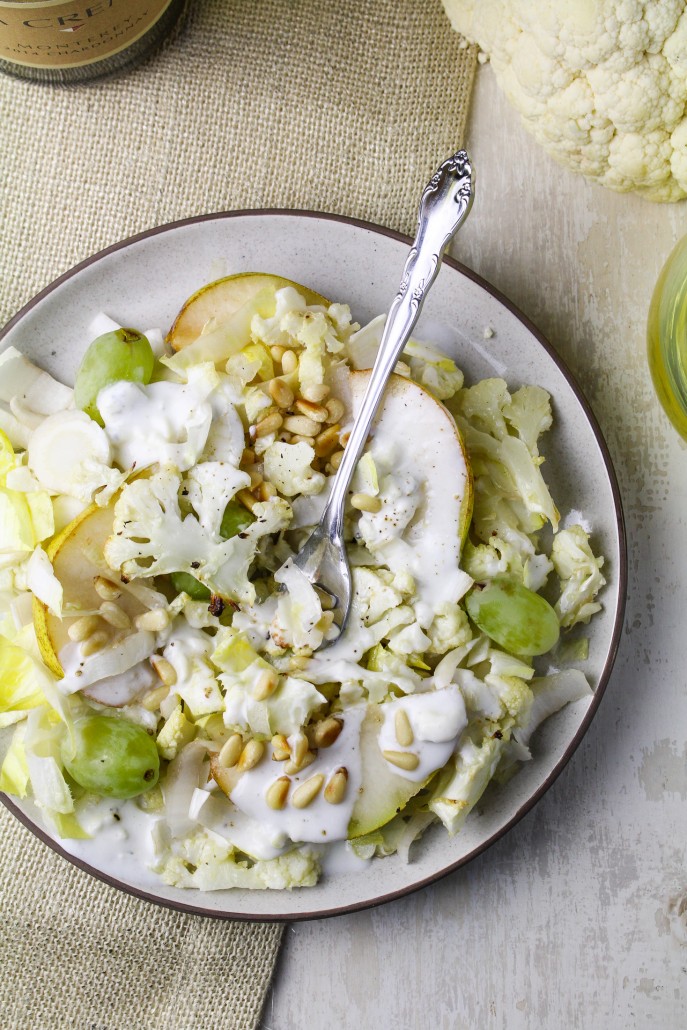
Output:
x,y
57,41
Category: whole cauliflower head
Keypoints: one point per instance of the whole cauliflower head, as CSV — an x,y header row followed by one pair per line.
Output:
x,y
601,84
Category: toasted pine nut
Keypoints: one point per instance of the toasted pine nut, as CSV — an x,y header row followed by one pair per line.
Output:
x,y
265,685
83,628
251,754
299,661
325,621
344,438
115,615
155,620
314,411
164,669
277,352
248,457
366,502
302,425
307,792
277,793
231,751
301,439
317,393
289,362
402,759
335,790
404,731
335,459
280,748
106,589
96,642
247,500
292,767
154,698
254,471
299,745
265,491
324,733
281,393
327,441
270,424
335,408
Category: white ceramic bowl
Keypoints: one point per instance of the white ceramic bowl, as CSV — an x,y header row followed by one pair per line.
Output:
x,y
143,281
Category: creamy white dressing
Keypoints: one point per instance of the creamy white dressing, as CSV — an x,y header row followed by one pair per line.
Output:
x,y
188,652
320,821
437,718
225,440
163,423
119,690
121,844
257,839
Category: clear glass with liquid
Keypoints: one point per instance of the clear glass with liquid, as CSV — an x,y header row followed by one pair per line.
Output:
x,y
667,337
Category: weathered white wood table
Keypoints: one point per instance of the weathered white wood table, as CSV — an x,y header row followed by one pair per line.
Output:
x,y
577,917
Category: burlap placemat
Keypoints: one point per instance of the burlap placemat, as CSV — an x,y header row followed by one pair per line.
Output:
x,y
345,107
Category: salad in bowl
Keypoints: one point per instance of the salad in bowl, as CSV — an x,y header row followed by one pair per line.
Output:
x,y
164,688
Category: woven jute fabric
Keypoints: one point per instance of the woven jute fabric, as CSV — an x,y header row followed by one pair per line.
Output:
x,y
343,106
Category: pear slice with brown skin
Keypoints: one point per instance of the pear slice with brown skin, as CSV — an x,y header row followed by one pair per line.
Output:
x,y
77,558
220,299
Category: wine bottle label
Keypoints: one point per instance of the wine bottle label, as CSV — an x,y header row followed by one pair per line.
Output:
x,y
55,34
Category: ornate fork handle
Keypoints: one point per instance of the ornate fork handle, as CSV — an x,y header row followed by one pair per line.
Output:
x,y
445,202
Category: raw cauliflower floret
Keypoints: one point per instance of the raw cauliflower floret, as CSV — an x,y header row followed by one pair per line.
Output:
x,y
202,860
580,575
151,537
449,628
601,86
289,467
529,413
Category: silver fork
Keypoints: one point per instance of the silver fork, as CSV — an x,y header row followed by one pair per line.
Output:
x,y
445,203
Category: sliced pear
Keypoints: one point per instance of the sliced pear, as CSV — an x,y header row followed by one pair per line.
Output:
x,y
433,448
77,557
384,793
220,299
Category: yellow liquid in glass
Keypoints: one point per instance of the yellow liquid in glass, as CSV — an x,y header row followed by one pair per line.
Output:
x,y
667,337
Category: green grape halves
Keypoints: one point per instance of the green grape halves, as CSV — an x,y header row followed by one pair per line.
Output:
x,y
120,354
513,616
111,757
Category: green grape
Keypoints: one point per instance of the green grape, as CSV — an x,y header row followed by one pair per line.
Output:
x,y
236,518
111,757
120,354
516,618
184,582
